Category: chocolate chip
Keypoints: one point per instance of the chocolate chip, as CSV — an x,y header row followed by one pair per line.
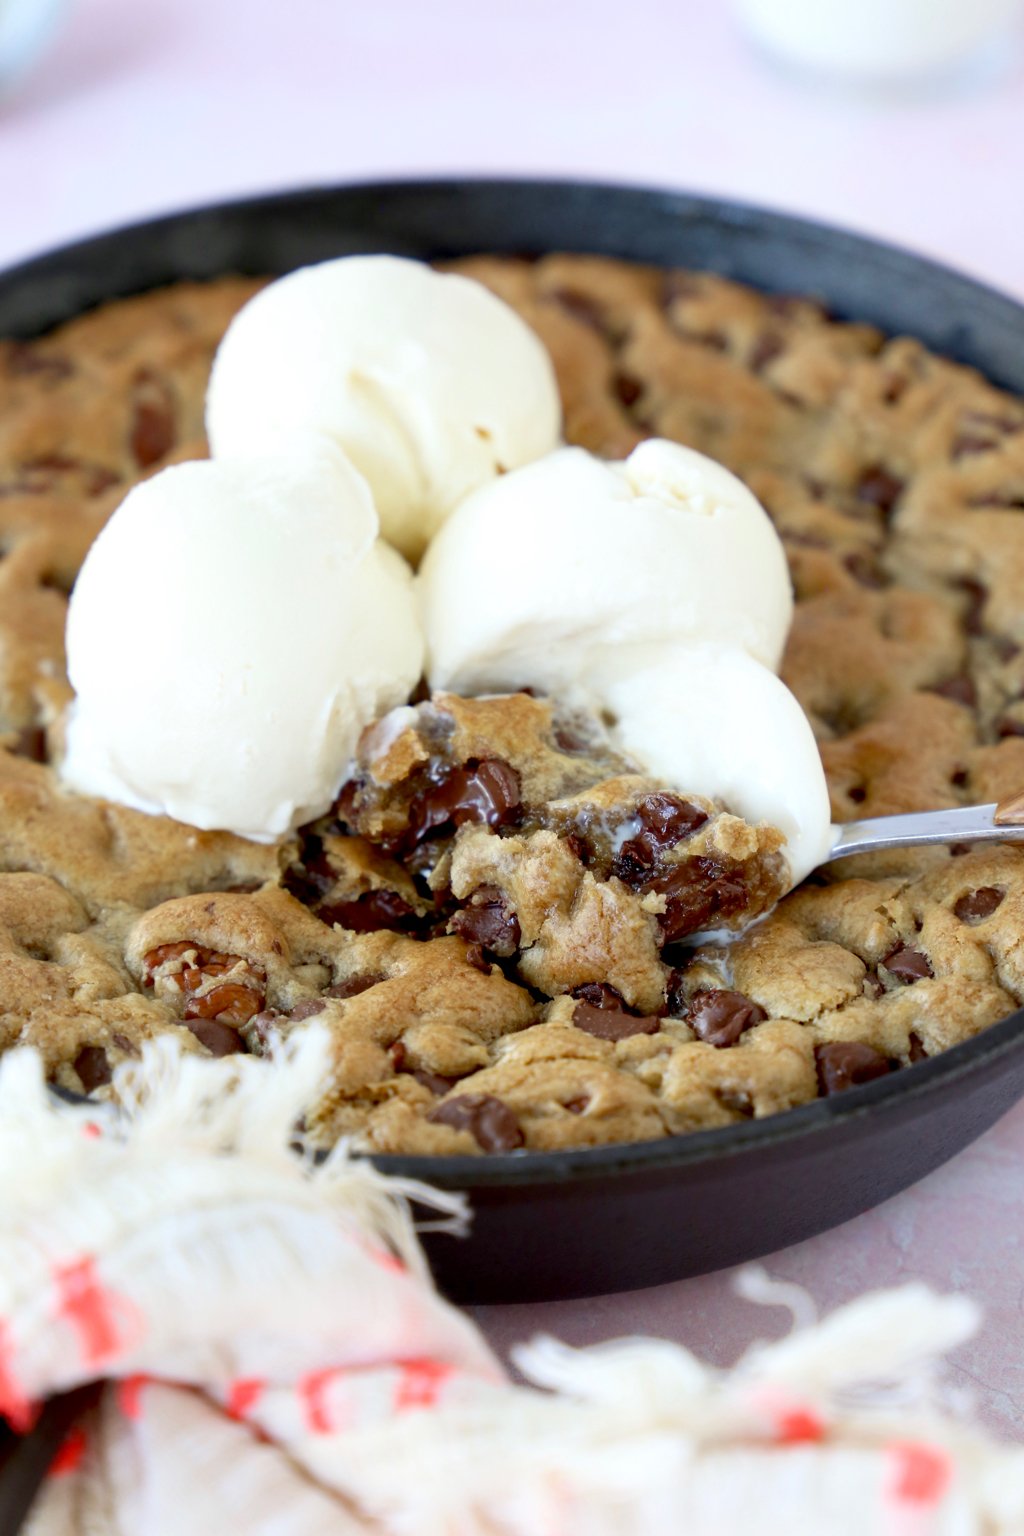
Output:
x,y
93,1068
40,475
664,821
675,993
477,959
579,847
100,478
485,790
488,920
1010,501
369,913
975,906
31,743
571,741
600,995
26,360
44,473
970,443
720,1017
421,862
1001,426
699,892
768,346
576,1106
353,986
307,1009
627,387
295,883
857,793
313,876
896,386
907,964
153,431
845,1064
581,306
219,1039
346,805
260,1030
487,1119
878,487
865,568
607,1024
915,1047
960,690
432,1081
977,597
959,778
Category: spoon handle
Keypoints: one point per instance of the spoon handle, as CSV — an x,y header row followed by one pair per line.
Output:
x,y
1002,822
26,1459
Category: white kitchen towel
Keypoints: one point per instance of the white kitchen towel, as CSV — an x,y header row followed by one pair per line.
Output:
x,y
280,1364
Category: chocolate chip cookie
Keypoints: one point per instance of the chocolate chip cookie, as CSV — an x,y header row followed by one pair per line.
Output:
x,y
496,922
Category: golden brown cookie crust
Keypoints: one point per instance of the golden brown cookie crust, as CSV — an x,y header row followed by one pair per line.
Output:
x,y
896,481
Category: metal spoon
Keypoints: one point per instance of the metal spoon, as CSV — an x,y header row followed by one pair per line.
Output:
x,y
1002,822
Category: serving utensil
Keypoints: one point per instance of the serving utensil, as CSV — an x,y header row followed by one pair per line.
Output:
x,y
1000,822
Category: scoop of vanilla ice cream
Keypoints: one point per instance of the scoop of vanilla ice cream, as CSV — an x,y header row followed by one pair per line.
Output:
x,y
233,629
431,384
713,720
655,591
538,575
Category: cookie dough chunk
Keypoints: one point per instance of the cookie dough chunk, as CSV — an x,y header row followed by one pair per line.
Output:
x,y
554,854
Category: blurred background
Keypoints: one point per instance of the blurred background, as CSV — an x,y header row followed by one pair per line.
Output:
x,y
903,118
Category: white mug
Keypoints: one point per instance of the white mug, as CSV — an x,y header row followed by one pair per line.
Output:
x,y
25,28
878,40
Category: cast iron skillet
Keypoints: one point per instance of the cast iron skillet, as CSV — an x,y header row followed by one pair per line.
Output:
x,y
582,1222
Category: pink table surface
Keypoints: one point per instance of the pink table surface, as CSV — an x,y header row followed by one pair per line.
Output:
x,y
146,105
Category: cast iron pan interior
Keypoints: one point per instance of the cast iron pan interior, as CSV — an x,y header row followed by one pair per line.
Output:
x,y
583,1222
